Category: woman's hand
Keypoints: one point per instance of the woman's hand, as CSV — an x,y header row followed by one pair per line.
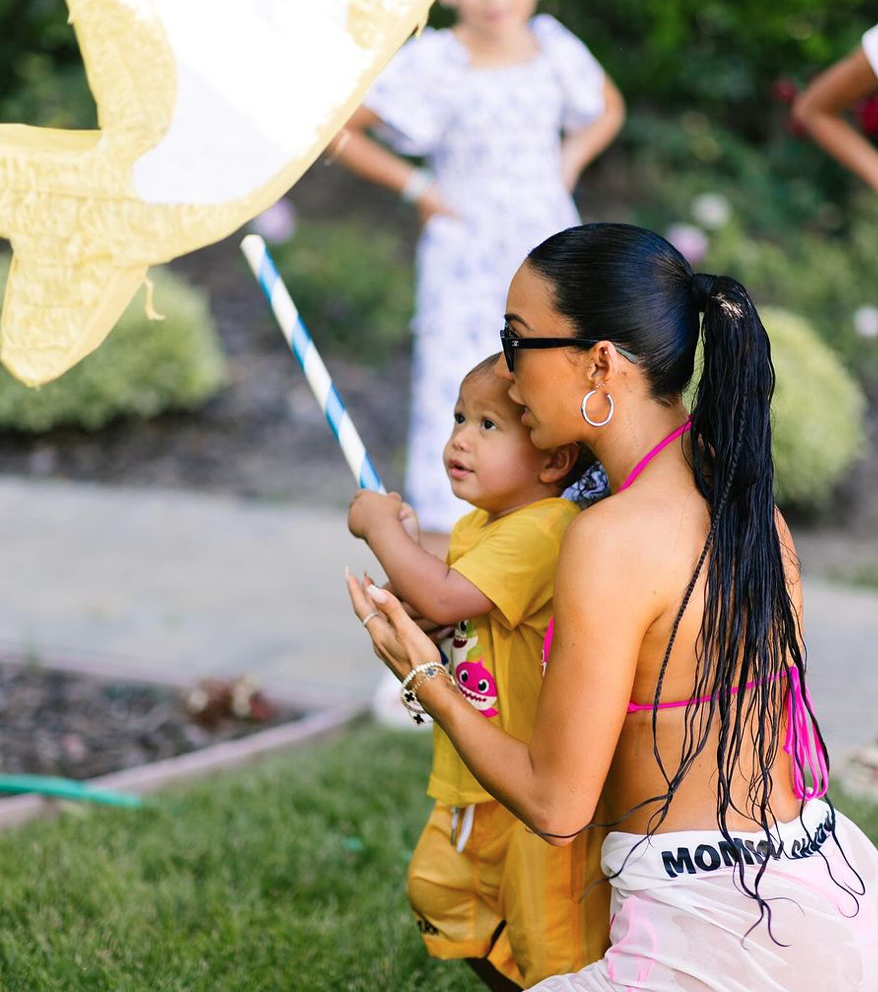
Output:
x,y
396,638
571,164
430,204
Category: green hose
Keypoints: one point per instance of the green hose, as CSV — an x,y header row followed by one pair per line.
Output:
x,y
67,788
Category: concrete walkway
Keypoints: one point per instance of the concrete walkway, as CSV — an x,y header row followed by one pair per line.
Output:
x,y
175,585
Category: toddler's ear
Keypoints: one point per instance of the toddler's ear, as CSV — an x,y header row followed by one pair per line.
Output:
x,y
559,462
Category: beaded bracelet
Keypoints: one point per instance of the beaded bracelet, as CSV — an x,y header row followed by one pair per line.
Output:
x,y
408,691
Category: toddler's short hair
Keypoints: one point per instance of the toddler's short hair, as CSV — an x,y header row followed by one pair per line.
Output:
x,y
484,368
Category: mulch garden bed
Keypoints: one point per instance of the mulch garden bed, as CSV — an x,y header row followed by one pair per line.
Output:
x,y
79,726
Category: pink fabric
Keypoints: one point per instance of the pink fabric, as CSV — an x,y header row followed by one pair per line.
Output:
x,y
547,642
638,707
802,742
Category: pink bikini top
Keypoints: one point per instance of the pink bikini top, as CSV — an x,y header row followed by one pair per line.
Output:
x,y
802,742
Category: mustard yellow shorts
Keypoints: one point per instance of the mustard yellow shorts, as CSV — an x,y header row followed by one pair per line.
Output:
x,y
483,886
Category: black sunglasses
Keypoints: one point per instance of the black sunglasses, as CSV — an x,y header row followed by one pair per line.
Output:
x,y
512,343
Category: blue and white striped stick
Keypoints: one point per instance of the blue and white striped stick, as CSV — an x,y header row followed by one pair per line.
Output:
x,y
309,358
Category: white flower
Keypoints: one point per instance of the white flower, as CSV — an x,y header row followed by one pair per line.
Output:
x,y
711,210
689,240
277,224
866,321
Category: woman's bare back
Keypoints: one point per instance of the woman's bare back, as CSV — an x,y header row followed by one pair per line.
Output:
x,y
677,530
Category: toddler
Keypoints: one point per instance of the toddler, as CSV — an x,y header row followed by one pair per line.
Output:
x,y
481,886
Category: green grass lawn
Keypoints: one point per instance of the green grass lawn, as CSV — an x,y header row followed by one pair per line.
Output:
x,y
287,876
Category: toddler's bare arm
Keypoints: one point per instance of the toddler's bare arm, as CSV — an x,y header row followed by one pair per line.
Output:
x,y
420,578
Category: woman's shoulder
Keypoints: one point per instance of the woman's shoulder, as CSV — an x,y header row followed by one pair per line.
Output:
x,y
608,524
640,534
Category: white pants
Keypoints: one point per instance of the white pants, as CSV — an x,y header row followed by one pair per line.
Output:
x,y
681,924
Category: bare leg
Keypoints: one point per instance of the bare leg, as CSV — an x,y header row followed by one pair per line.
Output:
x,y
491,977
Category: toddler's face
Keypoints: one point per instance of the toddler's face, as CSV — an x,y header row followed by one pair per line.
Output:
x,y
489,457
495,15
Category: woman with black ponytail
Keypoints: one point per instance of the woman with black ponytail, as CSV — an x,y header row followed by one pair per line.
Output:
x,y
675,691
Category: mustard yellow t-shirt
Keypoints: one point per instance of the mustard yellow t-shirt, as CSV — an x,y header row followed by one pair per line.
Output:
x,y
497,658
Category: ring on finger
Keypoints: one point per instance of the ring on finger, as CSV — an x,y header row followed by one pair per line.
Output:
x,y
369,616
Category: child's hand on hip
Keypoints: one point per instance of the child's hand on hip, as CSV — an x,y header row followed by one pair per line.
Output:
x,y
430,204
368,509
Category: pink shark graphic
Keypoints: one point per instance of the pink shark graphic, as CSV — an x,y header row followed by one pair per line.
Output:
x,y
478,686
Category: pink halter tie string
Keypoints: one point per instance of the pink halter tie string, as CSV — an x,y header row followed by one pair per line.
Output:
x,y
802,742
648,457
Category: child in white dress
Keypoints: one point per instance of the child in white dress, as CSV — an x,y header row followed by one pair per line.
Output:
x,y
507,109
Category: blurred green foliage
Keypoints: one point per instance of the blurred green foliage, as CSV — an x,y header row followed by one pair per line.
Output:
x,y
787,240
352,280
818,413
720,56
144,368
818,410
42,80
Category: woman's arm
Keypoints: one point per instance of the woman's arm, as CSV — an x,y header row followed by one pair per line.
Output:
x,y
819,108
365,157
552,783
579,148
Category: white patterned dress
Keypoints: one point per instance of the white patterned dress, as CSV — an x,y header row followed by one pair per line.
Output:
x,y
492,138
870,47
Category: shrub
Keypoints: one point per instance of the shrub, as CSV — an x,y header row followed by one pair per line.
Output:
x,y
788,242
718,55
144,368
723,54
353,284
827,279
818,412
42,80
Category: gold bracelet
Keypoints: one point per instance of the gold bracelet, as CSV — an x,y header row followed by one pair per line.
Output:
x,y
408,692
